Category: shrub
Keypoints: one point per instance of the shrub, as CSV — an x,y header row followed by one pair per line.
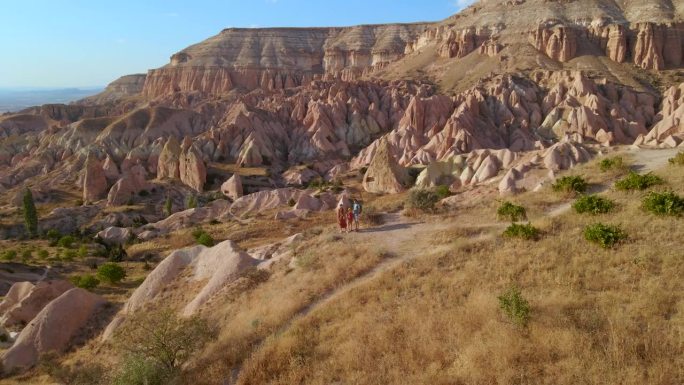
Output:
x,y
206,240
42,254
593,204
191,202
26,254
8,255
664,203
606,236
115,253
527,232
291,202
168,206
139,370
30,214
635,181
164,338
516,308
443,191
66,241
422,199
83,251
614,163
678,159
571,184
111,272
69,255
512,212
143,193
87,281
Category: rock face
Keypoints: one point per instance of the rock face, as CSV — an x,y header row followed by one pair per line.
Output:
x,y
385,175
558,42
115,235
278,58
94,179
182,163
670,130
133,181
214,267
25,300
232,188
53,328
125,86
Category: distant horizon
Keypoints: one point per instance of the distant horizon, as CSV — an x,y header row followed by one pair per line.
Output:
x,y
82,44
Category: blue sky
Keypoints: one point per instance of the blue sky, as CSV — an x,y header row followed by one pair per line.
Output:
x,y
83,43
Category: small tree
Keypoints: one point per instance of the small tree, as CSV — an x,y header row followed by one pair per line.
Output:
x,y
164,338
191,202
168,206
511,212
516,308
111,272
30,214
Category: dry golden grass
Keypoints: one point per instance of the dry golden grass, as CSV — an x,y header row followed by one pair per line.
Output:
x,y
598,316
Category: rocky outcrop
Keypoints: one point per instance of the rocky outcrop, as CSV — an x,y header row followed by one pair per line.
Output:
x,y
133,181
278,58
384,174
557,41
125,86
193,172
25,300
213,267
168,163
94,179
264,200
115,235
53,328
461,170
232,188
669,131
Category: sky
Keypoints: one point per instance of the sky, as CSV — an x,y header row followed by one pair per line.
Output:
x,y
89,43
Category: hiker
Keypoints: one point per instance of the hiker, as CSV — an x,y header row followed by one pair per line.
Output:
x,y
350,220
357,209
341,218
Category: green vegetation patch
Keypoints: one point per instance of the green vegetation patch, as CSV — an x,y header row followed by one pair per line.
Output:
x,y
515,307
593,204
512,212
635,181
664,203
607,236
527,232
571,184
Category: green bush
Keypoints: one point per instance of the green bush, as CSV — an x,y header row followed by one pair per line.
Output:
x,y
83,251
168,207
635,181
422,199
87,281
69,255
443,191
614,163
191,202
42,254
8,255
664,203
527,231
30,214
571,184
26,254
111,272
53,234
678,159
139,370
606,236
66,241
206,240
516,308
593,204
512,212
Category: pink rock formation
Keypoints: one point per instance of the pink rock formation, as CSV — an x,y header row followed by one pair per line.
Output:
x,y
232,188
168,164
115,235
669,131
558,42
94,180
384,174
53,328
132,182
25,300
193,172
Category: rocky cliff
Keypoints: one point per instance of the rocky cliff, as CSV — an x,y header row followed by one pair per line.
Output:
x,y
277,58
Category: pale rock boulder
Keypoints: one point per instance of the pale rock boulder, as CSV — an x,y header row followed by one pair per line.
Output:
x,y
94,180
53,328
193,171
215,210
307,202
212,268
115,235
669,131
299,176
133,181
25,300
111,170
232,188
384,174
264,200
291,214
168,164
